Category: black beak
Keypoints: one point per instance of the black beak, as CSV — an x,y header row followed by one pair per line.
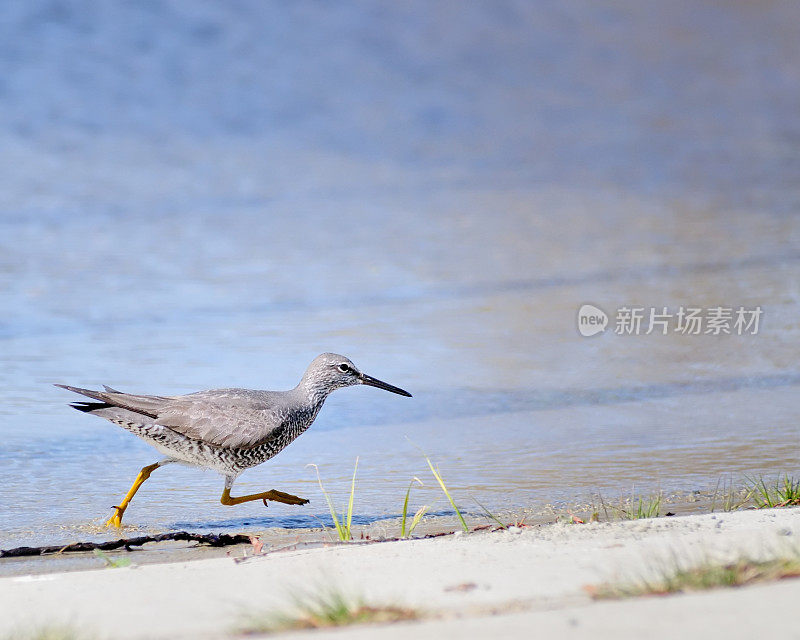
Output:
x,y
374,382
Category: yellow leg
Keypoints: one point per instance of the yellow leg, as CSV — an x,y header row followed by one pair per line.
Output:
x,y
144,474
275,496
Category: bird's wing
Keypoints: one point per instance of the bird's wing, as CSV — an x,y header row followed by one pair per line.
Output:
x,y
225,418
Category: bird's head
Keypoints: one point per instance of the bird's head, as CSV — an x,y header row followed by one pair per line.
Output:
x,y
330,371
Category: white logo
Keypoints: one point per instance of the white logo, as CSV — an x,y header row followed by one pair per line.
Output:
x,y
591,320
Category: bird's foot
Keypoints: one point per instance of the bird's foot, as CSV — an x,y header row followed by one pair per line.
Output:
x,y
116,519
274,496
280,496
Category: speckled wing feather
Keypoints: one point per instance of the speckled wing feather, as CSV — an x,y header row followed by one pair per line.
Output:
x,y
235,418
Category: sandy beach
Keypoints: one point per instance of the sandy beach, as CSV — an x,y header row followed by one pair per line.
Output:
x,y
505,583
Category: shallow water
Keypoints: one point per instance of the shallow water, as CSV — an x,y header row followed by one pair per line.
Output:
x,y
435,208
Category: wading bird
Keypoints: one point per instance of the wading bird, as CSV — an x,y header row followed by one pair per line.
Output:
x,y
228,430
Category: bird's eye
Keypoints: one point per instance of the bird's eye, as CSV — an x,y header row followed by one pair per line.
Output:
x,y
344,368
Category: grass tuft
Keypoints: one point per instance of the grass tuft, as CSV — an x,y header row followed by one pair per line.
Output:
x,y
47,632
329,608
785,492
647,507
730,498
343,528
417,516
708,575
638,508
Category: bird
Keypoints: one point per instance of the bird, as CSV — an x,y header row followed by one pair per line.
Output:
x,y
227,430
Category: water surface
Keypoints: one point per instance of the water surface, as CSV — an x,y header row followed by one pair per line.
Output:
x,y
201,195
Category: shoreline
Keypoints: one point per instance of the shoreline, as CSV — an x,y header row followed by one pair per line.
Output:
x,y
491,580
275,538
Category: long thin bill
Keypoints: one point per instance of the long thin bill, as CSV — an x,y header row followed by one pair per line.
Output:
x,y
374,382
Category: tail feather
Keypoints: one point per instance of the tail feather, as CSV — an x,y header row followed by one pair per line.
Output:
x,y
97,395
88,407
143,405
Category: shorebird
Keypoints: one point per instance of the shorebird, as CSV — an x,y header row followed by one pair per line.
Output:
x,y
227,430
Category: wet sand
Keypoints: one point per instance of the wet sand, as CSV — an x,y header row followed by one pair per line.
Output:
x,y
278,539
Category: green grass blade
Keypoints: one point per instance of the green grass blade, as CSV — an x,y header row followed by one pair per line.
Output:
x,y
405,511
339,529
348,528
405,507
114,563
438,477
335,517
761,494
490,514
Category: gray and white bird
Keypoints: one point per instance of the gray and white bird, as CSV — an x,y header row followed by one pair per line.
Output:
x,y
228,430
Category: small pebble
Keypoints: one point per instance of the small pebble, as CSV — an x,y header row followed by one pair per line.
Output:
x,y
514,530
